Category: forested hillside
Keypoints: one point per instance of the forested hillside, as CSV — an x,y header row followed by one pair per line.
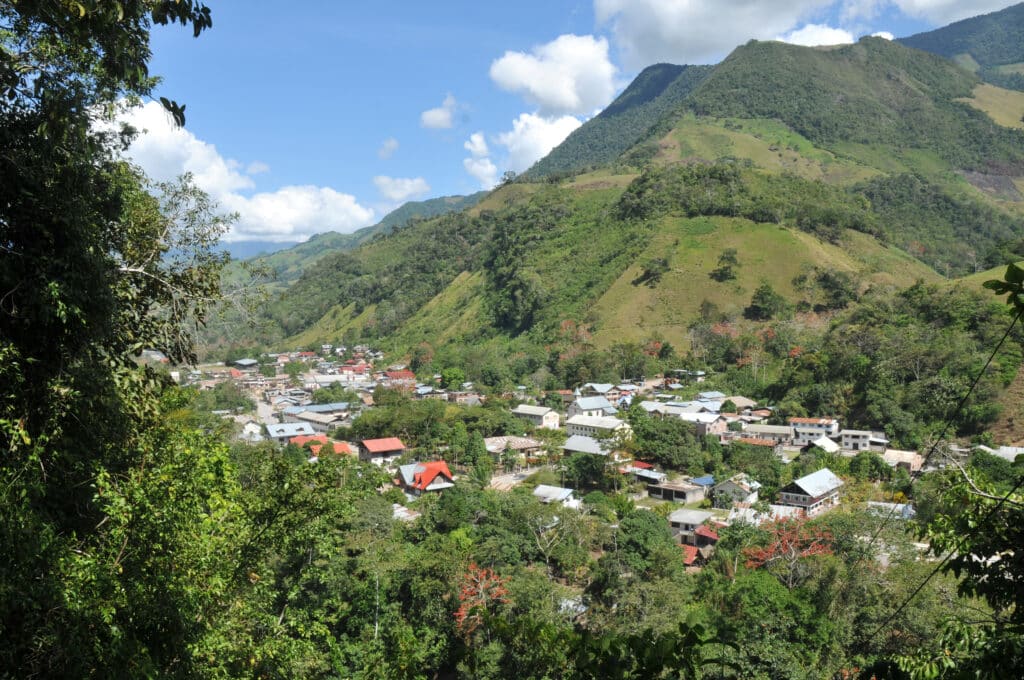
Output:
x,y
992,45
653,96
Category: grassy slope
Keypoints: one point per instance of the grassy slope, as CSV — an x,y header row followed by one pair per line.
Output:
x,y
766,252
1005,107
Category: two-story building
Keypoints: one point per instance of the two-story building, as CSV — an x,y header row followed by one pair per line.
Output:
x,y
597,426
813,493
381,451
807,430
538,416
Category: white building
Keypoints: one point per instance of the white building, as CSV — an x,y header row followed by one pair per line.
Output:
x,y
539,416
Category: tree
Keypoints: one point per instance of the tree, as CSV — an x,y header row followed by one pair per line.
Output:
x,y
452,378
96,265
727,262
765,304
790,541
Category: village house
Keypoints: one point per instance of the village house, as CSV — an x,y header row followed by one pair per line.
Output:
x,y
606,390
806,430
679,490
319,442
556,494
538,416
579,443
643,472
780,434
399,379
591,406
707,423
911,461
684,524
597,426
768,444
282,432
737,489
813,493
523,448
381,451
862,440
420,478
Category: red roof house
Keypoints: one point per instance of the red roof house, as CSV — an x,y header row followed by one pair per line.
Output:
x,y
418,478
381,450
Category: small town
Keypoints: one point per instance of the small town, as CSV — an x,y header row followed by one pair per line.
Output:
x,y
588,422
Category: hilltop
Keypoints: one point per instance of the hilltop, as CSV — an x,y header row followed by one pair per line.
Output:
x,y
991,45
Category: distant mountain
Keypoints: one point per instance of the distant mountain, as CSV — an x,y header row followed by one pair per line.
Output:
x,y
992,45
244,250
650,98
288,262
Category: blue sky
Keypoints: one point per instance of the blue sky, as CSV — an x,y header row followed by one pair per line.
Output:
x,y
314,116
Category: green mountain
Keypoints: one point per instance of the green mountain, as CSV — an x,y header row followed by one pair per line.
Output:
x,y
820,172
650,98
992,45
288,264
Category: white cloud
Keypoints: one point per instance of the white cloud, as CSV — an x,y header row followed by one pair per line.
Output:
x,y
571,74
294,213
946,11
400,189
812,35
477,145
533,136
696,31
290,213
441,117
883,34
483,169
388,147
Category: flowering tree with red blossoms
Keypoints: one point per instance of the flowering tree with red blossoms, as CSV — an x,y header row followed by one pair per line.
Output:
x,y
482,590
791,540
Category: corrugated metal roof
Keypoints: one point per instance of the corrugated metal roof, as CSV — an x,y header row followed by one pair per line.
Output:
x,y
579,443
819,483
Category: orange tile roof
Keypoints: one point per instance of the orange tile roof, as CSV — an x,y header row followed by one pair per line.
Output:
x,y
812,421
425,477
383,445
689,554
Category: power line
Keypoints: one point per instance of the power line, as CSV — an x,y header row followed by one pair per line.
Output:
x,y
944,560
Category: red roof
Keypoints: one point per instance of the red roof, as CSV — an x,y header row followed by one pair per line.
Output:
x,y
307,354
642,465
756,442
400,375
706,532
426,473
317,441
689,554
235,373
340,448
383,445
304,439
